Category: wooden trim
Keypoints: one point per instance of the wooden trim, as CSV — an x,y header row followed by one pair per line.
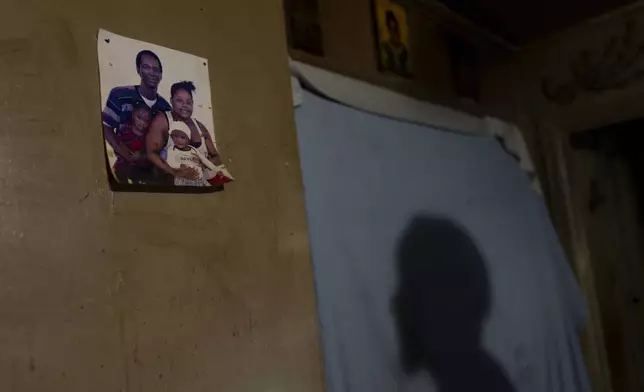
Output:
x,y
593,342
459,24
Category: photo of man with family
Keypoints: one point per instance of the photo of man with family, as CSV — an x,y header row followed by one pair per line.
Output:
x,y
151,140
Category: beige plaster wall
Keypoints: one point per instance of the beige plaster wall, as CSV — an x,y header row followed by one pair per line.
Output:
x,y
144,292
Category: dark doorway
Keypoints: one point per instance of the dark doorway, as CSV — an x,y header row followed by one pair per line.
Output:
x,y
609,171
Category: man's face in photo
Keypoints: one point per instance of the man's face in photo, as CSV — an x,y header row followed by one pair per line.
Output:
x,y
150,71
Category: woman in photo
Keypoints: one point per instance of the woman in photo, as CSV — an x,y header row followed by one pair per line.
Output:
x,y
158,140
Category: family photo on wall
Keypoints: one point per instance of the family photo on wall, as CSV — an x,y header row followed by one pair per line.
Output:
x,y
157,118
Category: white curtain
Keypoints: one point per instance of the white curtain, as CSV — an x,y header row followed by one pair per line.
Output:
x,y
495,301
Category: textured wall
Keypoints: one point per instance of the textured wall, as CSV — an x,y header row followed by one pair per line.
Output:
x,y
143,292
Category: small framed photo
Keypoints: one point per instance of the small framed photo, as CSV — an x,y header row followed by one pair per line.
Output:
x,y
157,118
464,67
392,38
303,29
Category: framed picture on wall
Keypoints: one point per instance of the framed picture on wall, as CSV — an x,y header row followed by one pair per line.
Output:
x,y
157,122
464,67
392,37
303,29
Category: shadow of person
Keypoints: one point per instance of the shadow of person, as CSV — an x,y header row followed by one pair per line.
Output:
x,y
443,298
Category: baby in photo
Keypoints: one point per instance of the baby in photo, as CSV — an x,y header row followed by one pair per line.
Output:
x,y
180,154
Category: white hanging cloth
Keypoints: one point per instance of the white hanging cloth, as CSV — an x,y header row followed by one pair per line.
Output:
x,y
377,100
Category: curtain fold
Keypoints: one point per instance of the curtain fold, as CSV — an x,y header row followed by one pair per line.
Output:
x,y
383,102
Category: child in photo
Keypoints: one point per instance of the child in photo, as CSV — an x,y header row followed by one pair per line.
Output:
x,y
180,155
132,134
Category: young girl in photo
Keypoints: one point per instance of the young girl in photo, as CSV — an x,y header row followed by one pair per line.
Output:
x,y
135,168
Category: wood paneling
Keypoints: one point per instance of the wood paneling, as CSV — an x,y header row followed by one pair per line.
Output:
x,y
350,49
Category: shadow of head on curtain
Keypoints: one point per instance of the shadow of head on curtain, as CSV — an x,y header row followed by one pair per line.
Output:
x,y
441,303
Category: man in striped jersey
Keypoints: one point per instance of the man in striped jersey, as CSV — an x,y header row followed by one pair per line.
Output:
x,y
122,100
